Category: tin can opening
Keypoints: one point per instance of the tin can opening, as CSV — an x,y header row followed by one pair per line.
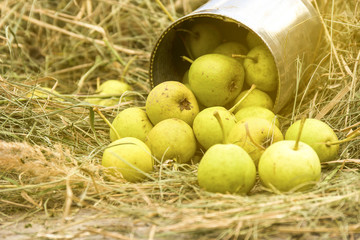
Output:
x,y
167,63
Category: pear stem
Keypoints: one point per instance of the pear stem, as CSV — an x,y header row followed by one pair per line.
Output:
x,y
218,118
107,122
351,137
302,123
232,109
251,139
187,59
165,10
244,56
186,45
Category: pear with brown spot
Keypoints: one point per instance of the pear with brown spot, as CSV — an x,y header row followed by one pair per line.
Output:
x,y
171,99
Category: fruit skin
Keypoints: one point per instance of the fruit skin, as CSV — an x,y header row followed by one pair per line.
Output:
x,y
230,48
185,79
284,168
203,39
315,133
263,71
253,40
37,93
111,87
261,131
256,111
216,79
131,122
255,98
171,99
126,153
172,139
226,168
207,129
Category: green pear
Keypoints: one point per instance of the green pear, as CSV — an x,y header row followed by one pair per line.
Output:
x,y
44,93
130,157
185,79
260,69
285,168
226,168
131,122
206,128
112,89
172,139
255,98
259,112
254,135
253,40
230,48
216,79
318,135
202,38
171,99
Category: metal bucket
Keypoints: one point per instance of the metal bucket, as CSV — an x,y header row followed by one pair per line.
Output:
x,y
291,29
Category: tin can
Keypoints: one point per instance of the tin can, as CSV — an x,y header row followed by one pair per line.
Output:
x,y
291,29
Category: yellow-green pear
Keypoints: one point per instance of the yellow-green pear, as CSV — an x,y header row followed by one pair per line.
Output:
x,y
253,40
131,122
226,168
206,127
216,79
284,167
171,99
230,48
259,112
318,135
130,157
185,79
254,135
202,38
172,139
260,69
255,98
44,93
112,89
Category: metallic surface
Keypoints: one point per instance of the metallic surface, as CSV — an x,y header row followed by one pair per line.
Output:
x,y
290,28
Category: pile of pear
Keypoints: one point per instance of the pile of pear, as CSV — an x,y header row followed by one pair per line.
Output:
x,y
211,116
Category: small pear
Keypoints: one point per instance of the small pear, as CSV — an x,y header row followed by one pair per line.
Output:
x,y
254,135
185,79
260,69
216,79
255,98
285,168
259,112
171,99
226,168
44,93
202,38
230,48
318,135
129,156
172,139
206,128
131,122
113,89
253,40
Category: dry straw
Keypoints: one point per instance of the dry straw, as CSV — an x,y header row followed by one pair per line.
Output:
x,y
51,182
